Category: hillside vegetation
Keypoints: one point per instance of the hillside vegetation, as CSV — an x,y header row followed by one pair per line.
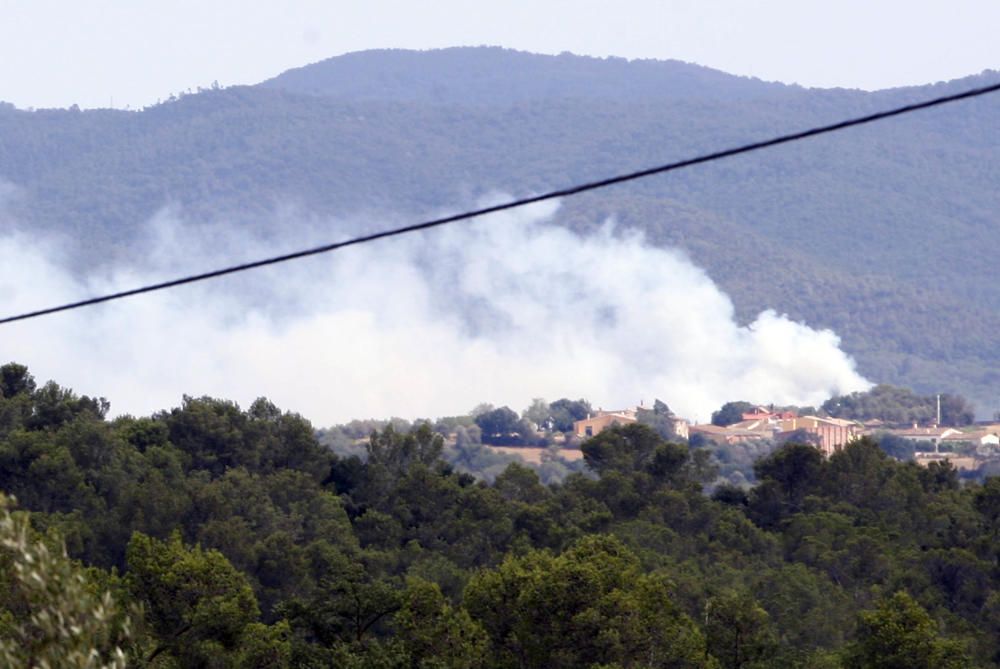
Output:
x,y
229,537
887,234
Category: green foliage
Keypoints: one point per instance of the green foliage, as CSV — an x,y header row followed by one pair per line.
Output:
x,y
736,461
739,632
787,477
503,426
244,542
900,406
730,412
537,413
808,611
201,609
349,607
636,448
435,634
51,614
521,484
590,606
660,418
55,406
25,406
565,412
265,647
900,635
15,380
215,435
395,453
896,446
479,460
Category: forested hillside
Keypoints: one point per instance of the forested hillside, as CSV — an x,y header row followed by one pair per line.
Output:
x,y
492,77
230,537
887,234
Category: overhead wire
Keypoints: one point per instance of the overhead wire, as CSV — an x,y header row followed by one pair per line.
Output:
x,y
512,204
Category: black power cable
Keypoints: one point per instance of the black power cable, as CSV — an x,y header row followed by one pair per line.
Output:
x,y
563,192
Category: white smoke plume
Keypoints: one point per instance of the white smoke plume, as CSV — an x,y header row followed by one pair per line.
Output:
x,y
498,310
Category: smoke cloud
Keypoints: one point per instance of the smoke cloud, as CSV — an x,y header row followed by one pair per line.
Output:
x,y
498,310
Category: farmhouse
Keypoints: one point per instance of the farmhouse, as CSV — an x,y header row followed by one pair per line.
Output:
x,y
602,420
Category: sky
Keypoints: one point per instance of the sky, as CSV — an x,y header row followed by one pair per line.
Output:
x,y
101,53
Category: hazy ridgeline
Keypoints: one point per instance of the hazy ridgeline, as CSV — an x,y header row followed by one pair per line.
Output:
x,y
887,234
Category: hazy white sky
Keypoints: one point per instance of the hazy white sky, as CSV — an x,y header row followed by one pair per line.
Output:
x,y
93,52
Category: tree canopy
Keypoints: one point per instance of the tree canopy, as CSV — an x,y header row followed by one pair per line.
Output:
x,y
212,535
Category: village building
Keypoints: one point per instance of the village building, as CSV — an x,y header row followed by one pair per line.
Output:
x,y
682,428
591,426
827,434
602,420
769,425
927,438
731,434
763,413
962,462
830,434
981,442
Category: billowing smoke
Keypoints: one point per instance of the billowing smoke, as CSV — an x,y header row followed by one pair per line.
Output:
x,y
498,310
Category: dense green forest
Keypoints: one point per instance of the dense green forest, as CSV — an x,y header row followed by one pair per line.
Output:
x,y
886,234
213,536
901,406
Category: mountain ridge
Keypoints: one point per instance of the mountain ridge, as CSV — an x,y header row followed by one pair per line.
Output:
x,y
495,75
885,234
